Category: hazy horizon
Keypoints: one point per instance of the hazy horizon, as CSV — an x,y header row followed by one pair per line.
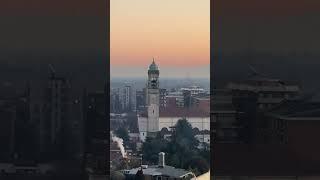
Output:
x,y
165,72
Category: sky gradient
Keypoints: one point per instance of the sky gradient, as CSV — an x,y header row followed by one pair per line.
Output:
x,y
176,33
273,26
70,35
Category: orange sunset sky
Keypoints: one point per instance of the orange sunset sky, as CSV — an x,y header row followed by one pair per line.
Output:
x,y
175,32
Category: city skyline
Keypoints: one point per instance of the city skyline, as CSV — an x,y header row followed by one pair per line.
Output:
x,y
175,33
166,72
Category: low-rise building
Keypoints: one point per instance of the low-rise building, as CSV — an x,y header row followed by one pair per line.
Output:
x,y
159,172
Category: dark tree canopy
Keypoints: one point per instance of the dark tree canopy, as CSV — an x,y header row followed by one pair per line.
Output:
x,y
122,132
181,151
152,147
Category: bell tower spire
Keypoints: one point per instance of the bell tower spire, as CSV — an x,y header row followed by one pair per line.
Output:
x,y
153,97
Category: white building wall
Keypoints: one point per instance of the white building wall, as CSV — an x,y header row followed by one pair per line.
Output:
x,y
153,117
202,123
203,138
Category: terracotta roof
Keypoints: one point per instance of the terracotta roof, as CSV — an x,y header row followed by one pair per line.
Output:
x,y
184,112
174,111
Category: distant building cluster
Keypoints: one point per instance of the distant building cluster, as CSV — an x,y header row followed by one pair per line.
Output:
x,y
122,99
42,126
269,124
236,108
156,110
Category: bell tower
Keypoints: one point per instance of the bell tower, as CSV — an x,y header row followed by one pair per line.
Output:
x,y
153,97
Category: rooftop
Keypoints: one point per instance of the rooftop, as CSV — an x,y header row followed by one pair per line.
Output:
x,y
174,111
164,171
184,112
297,108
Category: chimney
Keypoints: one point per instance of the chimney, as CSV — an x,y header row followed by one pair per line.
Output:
x,y
161,159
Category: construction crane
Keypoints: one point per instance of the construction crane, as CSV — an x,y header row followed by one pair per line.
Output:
x,y
52,70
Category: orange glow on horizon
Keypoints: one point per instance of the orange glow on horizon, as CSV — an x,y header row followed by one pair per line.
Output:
x,y
175,33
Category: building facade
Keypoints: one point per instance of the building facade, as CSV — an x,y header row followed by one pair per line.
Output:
x,y
158,116
270,92
54,127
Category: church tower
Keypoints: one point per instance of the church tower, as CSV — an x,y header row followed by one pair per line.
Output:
x,y
153,98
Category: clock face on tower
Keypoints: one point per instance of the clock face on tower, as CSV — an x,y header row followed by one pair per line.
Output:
x,y
154,83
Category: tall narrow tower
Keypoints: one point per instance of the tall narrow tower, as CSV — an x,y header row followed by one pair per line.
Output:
x,y
153,97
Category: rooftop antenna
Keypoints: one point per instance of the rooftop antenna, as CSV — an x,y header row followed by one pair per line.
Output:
x,y
249,56
52,70
250,51
254,72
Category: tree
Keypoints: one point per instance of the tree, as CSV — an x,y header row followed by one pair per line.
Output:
x,y
181,151
173,160
163,132
122,133
198,164
183,131
152,147
183,144
205,152
183,139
